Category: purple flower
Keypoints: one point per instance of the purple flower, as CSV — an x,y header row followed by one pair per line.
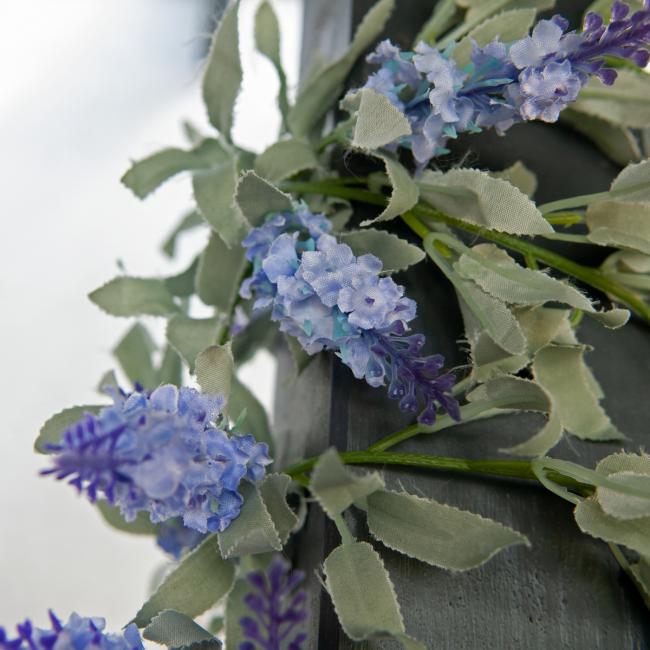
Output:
x,y
79,633
329,299
166,452
278,609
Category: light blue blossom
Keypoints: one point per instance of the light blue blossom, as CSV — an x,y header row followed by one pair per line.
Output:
x,y
166,452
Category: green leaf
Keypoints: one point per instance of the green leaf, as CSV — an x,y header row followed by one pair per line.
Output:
x,y
436,533
253,531
220,273
562,371
260,333
214,368
223,73
134,354
625,103
630,470
236,609
53,428
620,223
171,370
190,336
616,142
633,533
214,192
322,90
396,253
113,517
257,197
107,379
476,197
285,159
363,594
378,121
335,488
257,422
267,41
301,359
189,221
520,176
273,491
641,573
198,582
183,284
508,26
128,296
146,175
633,183
176,630
443,17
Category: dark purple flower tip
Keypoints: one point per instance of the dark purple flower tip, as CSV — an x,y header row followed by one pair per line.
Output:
x,y
593,21
249,626
296,644
257,579
254,602
246,645
619,10
640,58
607,76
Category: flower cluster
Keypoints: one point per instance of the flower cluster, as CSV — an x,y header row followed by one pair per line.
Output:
x,y
79,633
530,79
329,299
166,452
277,609
177,539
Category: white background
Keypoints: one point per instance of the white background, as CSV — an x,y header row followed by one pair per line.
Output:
x,y
85,85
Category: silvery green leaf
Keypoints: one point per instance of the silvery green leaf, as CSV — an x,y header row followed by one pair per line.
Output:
x,y
273,490
285,159
257,197
191,220
378,121
299,357
144,176
107,379
363,594
128,296
620,223
633,183
443,17
475,196
253,531
635,262
436,533
53,428
520,176
616,142
190,336
220,273
508,26
321,91
236,609
267,41
541,325
335,488
176,630
200,580
223,73
134,354
214,192
214,369
256,422
141,525
631,470
633,533
171,369
183,284
625,103
404,194
258,334
396,253
562,371
499,275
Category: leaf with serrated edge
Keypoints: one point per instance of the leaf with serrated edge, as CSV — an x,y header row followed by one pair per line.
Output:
x,y
198,582
335,488
223,73
285,159
561,371
214,368
395,253
176,630
257,197
134,353
253,531
189,221
321,91
436,533
220,273
620,223
53,428
633,183
630,469
520,176
273,490
128,296
476,197
189,336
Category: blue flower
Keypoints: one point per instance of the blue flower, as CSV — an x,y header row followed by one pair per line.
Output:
x,y
79,633
278,609
177,539
166,452
330,299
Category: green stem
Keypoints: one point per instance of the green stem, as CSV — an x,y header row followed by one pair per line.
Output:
x,y
587,199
